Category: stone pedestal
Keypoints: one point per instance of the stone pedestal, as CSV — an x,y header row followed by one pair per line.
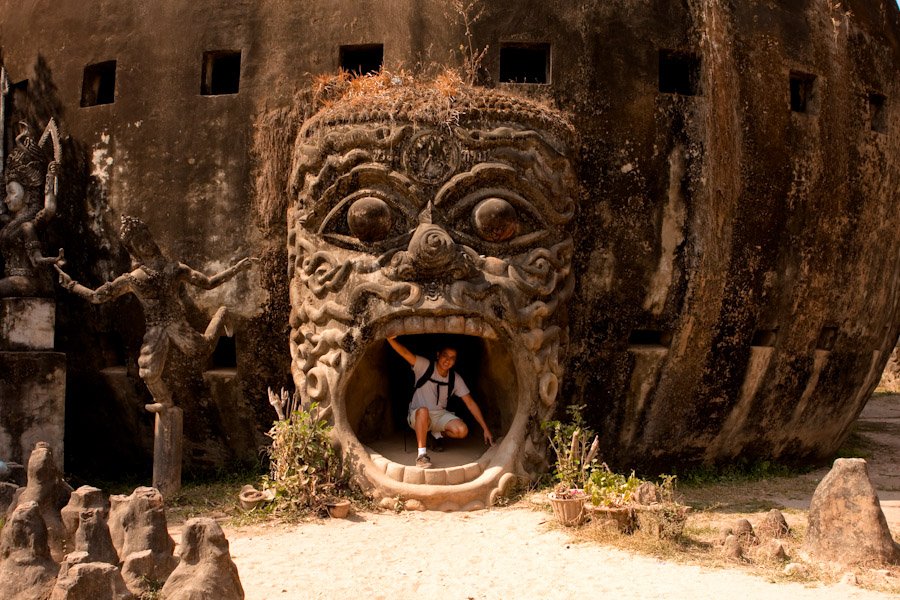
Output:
x,y
167,452
32,379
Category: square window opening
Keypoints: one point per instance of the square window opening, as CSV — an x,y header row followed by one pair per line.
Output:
x,y
827,337
764,338
525,63
18,94
649,337
679,73
224,355
363,59
99,84
804,93
221,73
878,120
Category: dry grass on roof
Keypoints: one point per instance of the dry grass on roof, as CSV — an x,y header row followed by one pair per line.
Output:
x,y
442,100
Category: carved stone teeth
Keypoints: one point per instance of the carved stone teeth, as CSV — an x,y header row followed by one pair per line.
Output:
x,y
436,324
415,325
474,327
395,327
447,476
458,324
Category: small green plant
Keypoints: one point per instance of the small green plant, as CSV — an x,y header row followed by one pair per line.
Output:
x,y
468,12
154,588
666,487
304,470
574,458
606,488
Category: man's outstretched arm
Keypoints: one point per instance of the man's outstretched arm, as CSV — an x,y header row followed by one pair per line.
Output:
x,y
476,412
402,350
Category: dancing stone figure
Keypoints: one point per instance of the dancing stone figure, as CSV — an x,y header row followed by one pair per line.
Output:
x,y
156,282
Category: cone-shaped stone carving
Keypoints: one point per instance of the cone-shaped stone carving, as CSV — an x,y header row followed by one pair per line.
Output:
x,y
846,524
26,570
91,581
206,571
83,498
46,487
93,537
137,526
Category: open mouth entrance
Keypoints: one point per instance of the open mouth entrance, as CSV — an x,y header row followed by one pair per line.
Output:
x,y
381,387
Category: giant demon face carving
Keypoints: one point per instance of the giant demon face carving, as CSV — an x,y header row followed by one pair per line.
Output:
x,y
404,222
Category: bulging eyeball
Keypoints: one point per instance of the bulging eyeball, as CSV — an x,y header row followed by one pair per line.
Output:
x,y
495,220
369,219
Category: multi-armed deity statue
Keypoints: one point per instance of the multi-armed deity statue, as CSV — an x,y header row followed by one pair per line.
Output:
x,y
31,190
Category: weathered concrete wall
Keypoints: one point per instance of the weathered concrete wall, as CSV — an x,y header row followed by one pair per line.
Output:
x,y
707,221
33,389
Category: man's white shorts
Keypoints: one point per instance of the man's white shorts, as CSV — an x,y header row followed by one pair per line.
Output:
x,y
439,419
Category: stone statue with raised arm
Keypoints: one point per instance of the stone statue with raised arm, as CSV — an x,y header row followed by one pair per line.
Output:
x,y
156,281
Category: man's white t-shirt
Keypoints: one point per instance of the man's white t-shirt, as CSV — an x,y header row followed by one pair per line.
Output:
x,y
427,396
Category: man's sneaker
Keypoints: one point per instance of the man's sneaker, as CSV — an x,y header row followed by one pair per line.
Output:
x,y
437,444
423,462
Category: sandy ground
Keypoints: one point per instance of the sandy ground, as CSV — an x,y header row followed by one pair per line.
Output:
x,y
519,553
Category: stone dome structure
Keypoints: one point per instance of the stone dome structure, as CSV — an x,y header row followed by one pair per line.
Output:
x,y
735,241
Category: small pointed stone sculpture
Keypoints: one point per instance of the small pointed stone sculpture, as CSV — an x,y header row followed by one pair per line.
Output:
x,y
26,570
846,523
137,525
206,571
93,537
46,487
91,581
774,525
81,499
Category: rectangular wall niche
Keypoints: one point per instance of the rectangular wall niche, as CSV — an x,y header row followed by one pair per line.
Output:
x,y
878,120
221,73
225,354
524,63
99,84
765,338
649,337
827,337
679,73
362,59
804,93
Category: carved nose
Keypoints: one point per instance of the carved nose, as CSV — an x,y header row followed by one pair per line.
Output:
x,y
431,249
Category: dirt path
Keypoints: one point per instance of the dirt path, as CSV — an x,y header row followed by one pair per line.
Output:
x,y
518,552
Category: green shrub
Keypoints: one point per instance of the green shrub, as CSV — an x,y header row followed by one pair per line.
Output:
x,y
304,470
611,489
574,458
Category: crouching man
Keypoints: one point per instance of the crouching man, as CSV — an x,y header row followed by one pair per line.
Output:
x,y
428,408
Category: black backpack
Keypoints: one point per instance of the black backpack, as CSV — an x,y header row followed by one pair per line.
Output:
x,y
450,383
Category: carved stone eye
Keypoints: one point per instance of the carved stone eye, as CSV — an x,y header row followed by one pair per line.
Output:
x,y
495,219
369,219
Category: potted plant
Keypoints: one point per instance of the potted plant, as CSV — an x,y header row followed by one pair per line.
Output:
x,y
574,461
611,496
659,514
338,508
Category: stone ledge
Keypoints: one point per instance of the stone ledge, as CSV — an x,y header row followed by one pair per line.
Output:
x,y
27,323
